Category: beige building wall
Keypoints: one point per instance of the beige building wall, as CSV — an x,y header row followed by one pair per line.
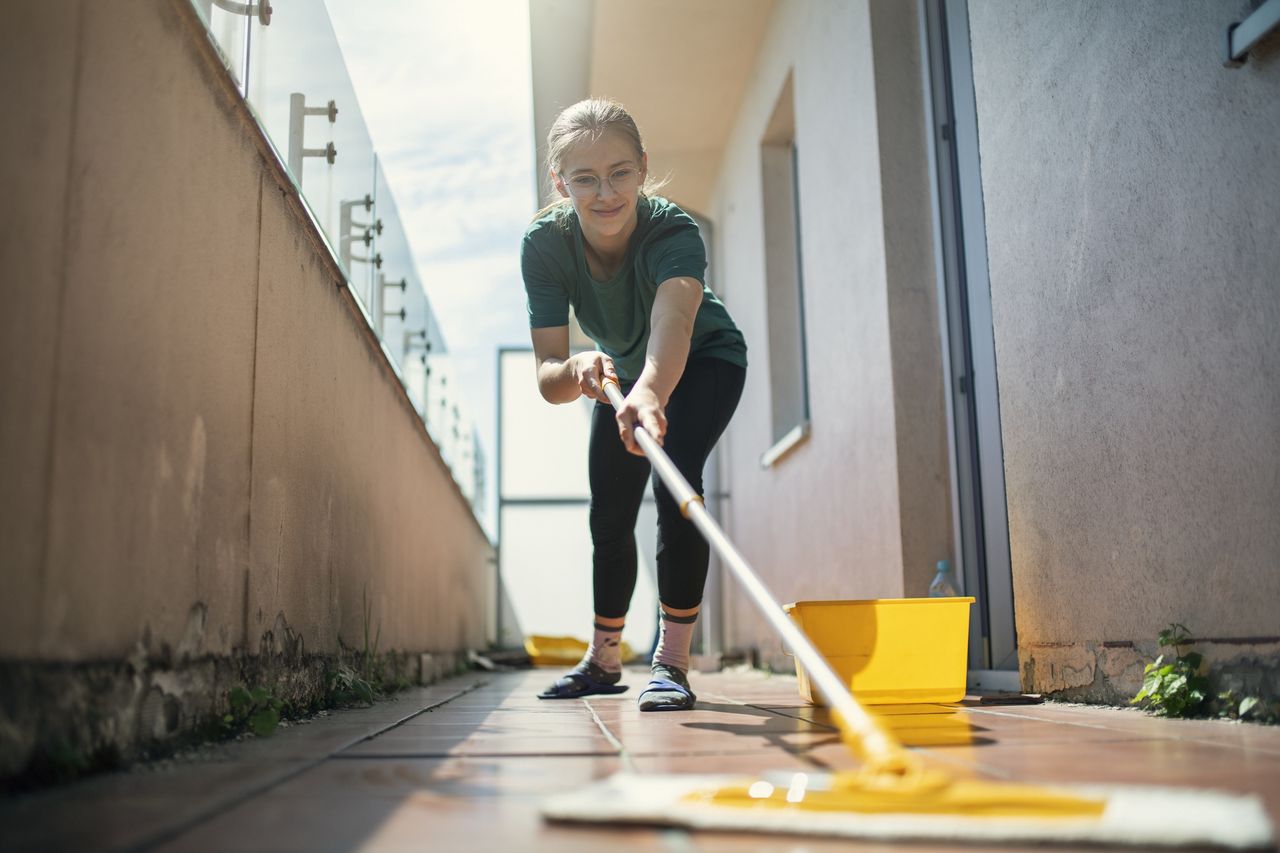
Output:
x,y
1132,193
205,450
861,508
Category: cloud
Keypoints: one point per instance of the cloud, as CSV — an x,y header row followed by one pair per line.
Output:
x,y
486,289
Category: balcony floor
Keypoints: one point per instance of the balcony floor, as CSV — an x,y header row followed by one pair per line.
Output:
x,y
464,763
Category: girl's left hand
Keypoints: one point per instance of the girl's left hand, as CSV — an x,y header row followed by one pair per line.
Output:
x,y
643,408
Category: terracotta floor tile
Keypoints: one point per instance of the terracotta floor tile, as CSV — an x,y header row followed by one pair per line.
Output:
x,y
751,764
426,745
988,730
431,804
121,810
448,715
496,725
407,702
312,741
697,737
1133,722
546,710
469,772
559,706
949,727
487,777
1146,761
730,719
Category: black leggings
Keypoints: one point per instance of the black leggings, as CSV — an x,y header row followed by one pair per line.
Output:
x,y
697,413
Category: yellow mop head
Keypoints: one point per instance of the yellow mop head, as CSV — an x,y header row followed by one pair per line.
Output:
x,y
811,804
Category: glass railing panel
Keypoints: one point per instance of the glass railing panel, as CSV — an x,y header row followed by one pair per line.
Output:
x,y
413,340
443,410
304,98
464,460
228,25
450,425
298,89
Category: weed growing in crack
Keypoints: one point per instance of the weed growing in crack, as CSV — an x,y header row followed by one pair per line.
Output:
x,y
255,710
1179,687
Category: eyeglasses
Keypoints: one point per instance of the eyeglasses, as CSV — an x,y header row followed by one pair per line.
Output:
x,y
587,186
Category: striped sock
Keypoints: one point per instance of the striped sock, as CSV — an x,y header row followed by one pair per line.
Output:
x,y
605,650
674,640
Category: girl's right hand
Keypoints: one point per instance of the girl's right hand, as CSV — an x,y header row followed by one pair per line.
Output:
x,y
590,370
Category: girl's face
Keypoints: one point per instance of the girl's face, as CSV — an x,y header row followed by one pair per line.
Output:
x,y
603,180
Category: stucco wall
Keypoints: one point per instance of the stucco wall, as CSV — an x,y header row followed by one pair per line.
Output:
x,y
38,51
201,438
1132,193
860,509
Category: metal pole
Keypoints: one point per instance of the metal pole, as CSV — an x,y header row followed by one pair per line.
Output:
x,y
297,114
1243,35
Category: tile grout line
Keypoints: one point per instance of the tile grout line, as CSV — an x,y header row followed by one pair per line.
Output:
x,y
623,755
189,823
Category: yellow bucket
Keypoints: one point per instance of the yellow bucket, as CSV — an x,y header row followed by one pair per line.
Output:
x,y
890,650
561,651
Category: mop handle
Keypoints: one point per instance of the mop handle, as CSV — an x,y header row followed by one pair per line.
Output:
x,y
876,744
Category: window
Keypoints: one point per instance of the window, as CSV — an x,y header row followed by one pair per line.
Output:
x,y
784,291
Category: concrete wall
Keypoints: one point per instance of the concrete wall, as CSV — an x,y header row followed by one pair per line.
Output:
x,y
860,510
203,446
1132,193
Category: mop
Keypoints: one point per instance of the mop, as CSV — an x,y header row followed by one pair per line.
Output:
x,y
893,796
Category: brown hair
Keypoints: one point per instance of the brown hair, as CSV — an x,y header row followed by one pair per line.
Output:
x,y
585,122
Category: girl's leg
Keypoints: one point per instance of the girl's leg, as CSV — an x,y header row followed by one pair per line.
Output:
x,y
697,414
617,487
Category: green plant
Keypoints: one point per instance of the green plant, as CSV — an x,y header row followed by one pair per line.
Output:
x,y
1230,706
256,710
346,686
365,674
1174,688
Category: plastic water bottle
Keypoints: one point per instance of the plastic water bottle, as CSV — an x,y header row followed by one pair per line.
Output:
x,y
943,585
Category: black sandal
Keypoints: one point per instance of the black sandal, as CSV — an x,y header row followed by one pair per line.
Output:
x,y
585,679
668,690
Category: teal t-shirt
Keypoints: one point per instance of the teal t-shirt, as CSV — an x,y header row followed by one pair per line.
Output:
x,y
615,313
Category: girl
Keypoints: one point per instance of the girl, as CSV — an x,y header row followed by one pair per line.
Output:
x,y
632,266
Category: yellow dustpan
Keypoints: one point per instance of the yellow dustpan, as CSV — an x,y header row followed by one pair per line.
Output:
x,y
545,650
893,795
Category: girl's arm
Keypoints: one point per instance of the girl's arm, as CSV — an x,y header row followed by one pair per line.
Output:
x,y
563,379
671,328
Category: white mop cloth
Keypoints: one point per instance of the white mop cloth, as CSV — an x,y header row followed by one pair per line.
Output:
x,y
1141,816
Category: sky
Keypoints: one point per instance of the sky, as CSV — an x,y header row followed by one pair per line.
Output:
x,y
445,90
